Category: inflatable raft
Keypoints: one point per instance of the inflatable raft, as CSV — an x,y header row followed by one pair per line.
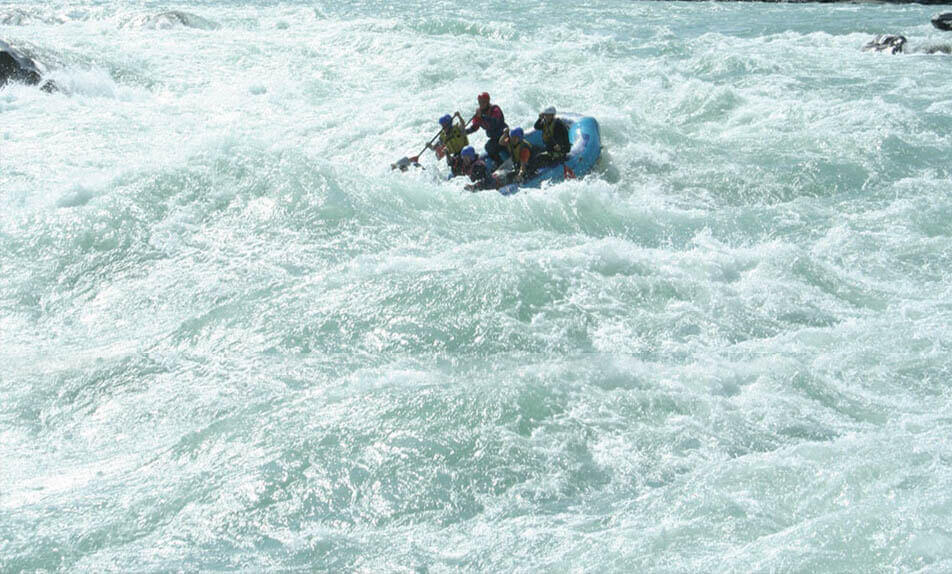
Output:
x,y
586,149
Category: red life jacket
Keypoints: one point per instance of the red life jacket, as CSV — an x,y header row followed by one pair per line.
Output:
x,y
493,125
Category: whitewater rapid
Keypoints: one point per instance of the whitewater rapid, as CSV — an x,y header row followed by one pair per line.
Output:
x,y
232,339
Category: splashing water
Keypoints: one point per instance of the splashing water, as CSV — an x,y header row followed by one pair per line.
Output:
x,y
233,339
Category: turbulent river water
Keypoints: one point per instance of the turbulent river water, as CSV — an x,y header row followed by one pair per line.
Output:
x,y
231,338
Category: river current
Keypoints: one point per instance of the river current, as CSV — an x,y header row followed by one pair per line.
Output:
x,y
232,339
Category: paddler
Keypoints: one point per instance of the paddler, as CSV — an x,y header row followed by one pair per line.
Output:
x,y
477,171
489,117
520,151
452,140
555,136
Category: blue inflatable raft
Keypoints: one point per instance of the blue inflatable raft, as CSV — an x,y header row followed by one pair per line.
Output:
x,y
586,149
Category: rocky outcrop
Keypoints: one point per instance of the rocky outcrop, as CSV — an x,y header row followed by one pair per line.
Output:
x,y
895,44
943,21
887,43
18,67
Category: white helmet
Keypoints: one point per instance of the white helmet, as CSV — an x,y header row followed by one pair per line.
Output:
x,y
549,110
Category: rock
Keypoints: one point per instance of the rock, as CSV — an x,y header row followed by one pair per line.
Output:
x,y
943,21
886,43
17,67
939,49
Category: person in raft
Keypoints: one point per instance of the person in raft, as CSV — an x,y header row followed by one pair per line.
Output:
x,y
520,151
477,171
555,136
452,140
489,117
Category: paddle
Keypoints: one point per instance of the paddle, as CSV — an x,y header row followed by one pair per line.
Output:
x,y
405,162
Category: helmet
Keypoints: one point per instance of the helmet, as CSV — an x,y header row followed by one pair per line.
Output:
x,y
468,152
549,111
516,133
483,96
446,120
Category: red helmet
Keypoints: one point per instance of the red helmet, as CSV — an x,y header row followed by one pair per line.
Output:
x,y
483,96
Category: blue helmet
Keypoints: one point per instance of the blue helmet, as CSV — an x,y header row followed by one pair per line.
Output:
x,y
468,152
516,133
446,120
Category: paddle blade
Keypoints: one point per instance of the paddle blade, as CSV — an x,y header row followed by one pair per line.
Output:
x,y
406,163
403,163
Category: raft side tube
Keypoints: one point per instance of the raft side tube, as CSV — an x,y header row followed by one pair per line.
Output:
x,y
586,141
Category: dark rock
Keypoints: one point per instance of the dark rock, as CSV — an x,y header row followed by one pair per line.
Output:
x,y
943,21
17,67
886,43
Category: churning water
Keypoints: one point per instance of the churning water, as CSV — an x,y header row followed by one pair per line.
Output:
x,y
231,338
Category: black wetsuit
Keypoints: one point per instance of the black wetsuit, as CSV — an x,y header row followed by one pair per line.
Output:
x,y
557,145
494,122
480,176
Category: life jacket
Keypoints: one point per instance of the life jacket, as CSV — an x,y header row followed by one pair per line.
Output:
x,y
516,150
494,126
455,141
549,139
548,133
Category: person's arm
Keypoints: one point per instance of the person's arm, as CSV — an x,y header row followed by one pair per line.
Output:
x,y
538,124
477,122
436,143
